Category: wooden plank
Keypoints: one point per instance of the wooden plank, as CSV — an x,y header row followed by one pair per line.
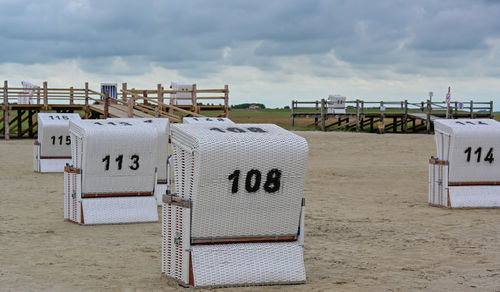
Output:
x,y
118,111
19,123
45,97
323,116
243,239
6,110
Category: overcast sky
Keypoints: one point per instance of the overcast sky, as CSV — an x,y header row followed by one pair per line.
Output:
x,y
267,51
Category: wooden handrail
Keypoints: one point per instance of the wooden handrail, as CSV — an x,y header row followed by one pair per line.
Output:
x,y
138,96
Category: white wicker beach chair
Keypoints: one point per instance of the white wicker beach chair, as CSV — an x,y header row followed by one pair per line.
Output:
x,y
27,94
465,172
183,94
237,217
112,173
52,149
336,104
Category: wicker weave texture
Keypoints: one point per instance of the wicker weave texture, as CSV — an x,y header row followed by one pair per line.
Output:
x,y
104,143
209,120
175,242
72,197
53,165
438,185
67,194
247,264
205,155
53,130
467,144
162,125
119,210
475,196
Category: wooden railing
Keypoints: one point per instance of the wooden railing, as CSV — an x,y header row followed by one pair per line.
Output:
x,y
359,108
45,96
197,96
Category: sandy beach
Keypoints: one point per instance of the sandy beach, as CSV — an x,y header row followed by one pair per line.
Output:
x,y
368,227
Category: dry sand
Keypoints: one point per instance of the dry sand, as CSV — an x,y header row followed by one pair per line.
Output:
x,y
368,227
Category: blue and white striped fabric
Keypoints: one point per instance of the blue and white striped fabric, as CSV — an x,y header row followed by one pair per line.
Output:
x,y
112,89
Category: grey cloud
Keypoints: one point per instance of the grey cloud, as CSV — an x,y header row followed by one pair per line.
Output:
x,y
191,35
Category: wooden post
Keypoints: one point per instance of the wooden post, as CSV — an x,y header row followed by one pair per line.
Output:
x,y
145,94
124,94
6,110
157,111
19,123
293,115
316,116
456,110
323,116
86,100
226,100
130,104
38,95
30,123
157,108
71,96
382,114
357,115
471,109
405,123
196,109
428,119
422,106
159,88
171,109
447,110
491,109
106,104
45,96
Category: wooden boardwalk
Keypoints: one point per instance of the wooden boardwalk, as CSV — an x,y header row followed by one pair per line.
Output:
x,y
118,111
20,121
423,116
396,117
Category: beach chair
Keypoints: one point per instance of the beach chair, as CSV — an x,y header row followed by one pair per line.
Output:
x,y
111,178
237,217
466,171
336,104
52,148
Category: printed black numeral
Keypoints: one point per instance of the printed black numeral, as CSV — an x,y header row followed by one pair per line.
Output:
x,y
106,160
478,153
273,181
119,162
256,176
253,181
135,161
489,156
235,177
54,138
119,159
468,151
239,130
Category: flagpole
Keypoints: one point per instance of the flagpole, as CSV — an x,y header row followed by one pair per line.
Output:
x,y
448,98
